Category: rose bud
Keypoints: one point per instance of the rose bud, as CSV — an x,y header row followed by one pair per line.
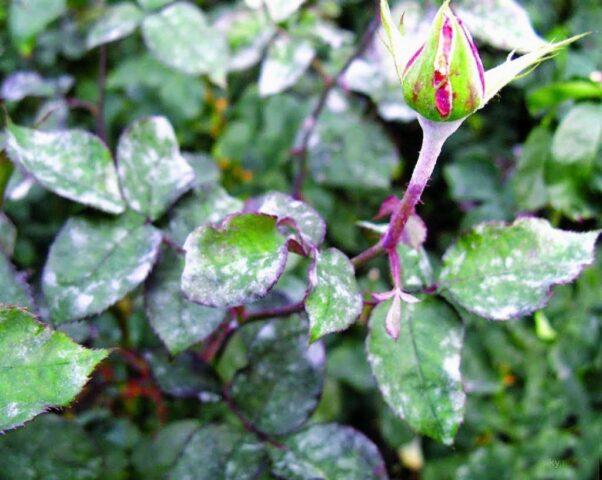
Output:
x,y
445,80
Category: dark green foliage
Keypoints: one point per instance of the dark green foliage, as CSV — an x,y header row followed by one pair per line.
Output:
x,y
184,190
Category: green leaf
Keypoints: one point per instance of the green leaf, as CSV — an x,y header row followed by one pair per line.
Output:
x,y
13,288
207,206
312,227
145,79
395,431
152,4
234,355
39,368
153,173
117,21
8,235
238,262
22,84
153,459
338,152
7,171
335,300
248,33
498,459
419,374
417,268
278,388
473,178
278,10
553,94
50,447
206,170
72,163
529,180
347,363
570,173
27,19
180,36
286,60
501,272
113,437
569,192
579,136
113,256
53,114
328,452
178,322
220,452
184,376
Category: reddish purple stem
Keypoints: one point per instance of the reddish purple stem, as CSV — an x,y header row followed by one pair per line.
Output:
x,y
434,136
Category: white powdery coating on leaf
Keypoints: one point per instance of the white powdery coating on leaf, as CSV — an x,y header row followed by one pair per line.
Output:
x,y
339,147
267,332
282,9
501,23
225,269
335,300
417,268
73,163
315,354
92,264
178,322
311,225
206,207
40,368
118,21
12,410
280,387
501,272
451,365
82,302
328,451
13,288
152,171
22,84
248,51
286,60
419,374
180,37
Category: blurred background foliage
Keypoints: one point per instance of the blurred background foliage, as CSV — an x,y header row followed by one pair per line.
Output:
x,y
534,386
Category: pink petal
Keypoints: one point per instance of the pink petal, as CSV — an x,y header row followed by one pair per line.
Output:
x,y
475,53
443,99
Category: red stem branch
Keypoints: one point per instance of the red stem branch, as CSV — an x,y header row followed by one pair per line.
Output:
x,y
434,136
275,312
